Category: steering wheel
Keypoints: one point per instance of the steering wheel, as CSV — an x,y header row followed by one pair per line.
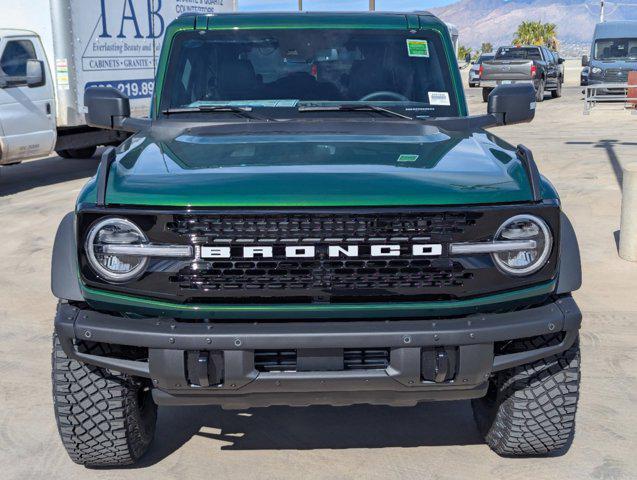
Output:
x,y
384,93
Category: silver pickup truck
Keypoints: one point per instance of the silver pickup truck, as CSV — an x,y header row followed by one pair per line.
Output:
x,y
531,64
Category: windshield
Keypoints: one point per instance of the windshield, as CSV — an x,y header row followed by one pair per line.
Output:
x,y
288,68
516,53
616,49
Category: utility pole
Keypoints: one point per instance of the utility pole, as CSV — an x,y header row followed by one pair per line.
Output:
x,y
372,5
301,5
601,14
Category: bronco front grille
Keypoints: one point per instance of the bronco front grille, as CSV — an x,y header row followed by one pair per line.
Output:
x,y
322,278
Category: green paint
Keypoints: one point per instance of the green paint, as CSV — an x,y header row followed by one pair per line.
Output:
x,y
306,170
144,306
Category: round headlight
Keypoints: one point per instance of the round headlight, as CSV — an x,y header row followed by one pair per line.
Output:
x,y
115,232
524,229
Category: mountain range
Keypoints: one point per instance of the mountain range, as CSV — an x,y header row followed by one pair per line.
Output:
x,y
496,21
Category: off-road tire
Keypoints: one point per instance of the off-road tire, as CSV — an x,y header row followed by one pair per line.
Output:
x,y
485,94
539,91
82,153
104,418
557,93
530,410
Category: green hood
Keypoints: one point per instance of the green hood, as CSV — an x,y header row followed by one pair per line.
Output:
x,y
348,164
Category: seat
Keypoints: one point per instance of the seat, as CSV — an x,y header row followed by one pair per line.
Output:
x,y
237,80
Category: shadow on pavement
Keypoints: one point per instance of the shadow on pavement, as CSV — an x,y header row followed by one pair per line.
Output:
x,y
47,171
609,146
318,427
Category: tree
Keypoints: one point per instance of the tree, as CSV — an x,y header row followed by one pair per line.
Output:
x,y
463,51
536,33
486,48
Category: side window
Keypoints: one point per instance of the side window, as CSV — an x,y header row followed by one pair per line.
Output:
x,y
13,61
549,56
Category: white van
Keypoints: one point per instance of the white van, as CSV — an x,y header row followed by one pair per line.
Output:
x,y
27,100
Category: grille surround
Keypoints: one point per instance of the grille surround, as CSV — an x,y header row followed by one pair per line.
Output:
x,y
435,278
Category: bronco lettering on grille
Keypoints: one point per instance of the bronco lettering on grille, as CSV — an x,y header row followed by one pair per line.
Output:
x,y
311,251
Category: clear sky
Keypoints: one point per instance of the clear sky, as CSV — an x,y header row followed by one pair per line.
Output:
x,y
326,5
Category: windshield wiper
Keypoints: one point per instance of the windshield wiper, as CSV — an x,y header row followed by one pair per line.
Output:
x,y
241,111
356,107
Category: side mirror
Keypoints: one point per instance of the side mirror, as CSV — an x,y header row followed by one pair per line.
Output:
x,y
467,58
35,73
560,60
108,108
511,104
585,61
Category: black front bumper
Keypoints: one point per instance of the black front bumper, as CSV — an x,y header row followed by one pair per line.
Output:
x,y
170,342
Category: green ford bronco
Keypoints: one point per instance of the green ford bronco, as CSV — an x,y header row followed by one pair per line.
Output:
x,y
310,216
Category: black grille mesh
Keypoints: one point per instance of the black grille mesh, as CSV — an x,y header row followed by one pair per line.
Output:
x,y
321,227
351,274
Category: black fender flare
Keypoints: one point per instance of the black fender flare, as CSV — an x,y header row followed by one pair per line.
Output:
x,y
65,283
570,269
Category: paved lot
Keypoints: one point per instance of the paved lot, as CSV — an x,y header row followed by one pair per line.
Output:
x,y
582,156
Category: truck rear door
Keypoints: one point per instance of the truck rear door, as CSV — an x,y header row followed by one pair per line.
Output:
x,y
507,70
27,114
511,64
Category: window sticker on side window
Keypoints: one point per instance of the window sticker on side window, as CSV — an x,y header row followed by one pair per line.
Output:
x,y
418,48
439,98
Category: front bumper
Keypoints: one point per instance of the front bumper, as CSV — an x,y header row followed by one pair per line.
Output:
x,y
170,342
591,82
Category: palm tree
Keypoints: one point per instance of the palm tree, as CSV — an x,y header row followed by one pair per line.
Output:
x,y
463,52
486,47
536,33
550,36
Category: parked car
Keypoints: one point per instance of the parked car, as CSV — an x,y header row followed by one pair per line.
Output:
x,y
53,50
613,54
474,72
279,237
527,64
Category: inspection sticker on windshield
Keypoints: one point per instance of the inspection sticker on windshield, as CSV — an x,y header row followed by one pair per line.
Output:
x,y
439,98
418,48
408,158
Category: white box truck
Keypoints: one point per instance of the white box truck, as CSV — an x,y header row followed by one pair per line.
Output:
x,y
51,51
